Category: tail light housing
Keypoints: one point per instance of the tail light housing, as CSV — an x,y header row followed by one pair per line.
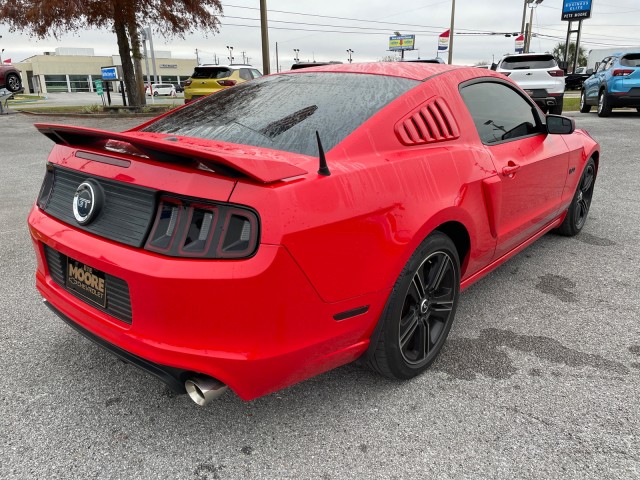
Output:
x,y
199,229
227,83
556,73
622,72
187,83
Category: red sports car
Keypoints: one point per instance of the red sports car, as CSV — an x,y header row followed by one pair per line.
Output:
x,y
302,220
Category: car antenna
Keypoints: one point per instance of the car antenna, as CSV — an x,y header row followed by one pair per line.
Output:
x,y
323,170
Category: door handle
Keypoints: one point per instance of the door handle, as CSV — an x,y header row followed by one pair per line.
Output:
x,y
510,170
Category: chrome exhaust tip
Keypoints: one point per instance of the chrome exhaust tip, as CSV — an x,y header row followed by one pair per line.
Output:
x,y
203,390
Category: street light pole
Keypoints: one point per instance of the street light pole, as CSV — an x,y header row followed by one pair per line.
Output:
x,y
524,16
453,15
296,52
230,57
349,51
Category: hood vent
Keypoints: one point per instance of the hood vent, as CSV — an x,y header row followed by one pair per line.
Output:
x,y
432,122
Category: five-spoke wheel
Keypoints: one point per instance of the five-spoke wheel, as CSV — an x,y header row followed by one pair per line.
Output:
x,y
420,310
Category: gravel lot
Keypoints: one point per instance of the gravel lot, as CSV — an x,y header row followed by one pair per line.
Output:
x,y
540,377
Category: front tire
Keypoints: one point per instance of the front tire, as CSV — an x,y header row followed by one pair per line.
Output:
x,y
584,108
419,312
579,208
13,83
604,108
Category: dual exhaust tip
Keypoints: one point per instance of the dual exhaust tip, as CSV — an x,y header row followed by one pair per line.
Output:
x,y
202,389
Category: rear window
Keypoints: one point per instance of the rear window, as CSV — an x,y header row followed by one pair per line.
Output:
x,y
211,72
528,62
630,60
283,112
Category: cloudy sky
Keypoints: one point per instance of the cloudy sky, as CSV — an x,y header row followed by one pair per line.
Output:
x,y
325,30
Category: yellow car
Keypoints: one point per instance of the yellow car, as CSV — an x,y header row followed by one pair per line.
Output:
x,y
208,79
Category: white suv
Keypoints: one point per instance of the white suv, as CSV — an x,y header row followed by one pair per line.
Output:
x,y
539,75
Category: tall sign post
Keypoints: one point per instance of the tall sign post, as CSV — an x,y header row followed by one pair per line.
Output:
x,y
574,10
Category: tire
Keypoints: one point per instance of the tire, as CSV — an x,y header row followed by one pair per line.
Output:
x,y
155,94
13,82
557,108
579,208
584,108
420,310
604,109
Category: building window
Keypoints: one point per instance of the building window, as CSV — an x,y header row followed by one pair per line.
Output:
x,y
56,83
79,83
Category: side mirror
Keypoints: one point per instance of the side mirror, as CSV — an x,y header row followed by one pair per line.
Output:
x,y
494,66
589,71
559,125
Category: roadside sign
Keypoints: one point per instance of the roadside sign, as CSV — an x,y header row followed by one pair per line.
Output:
x,y
576,9
109,73
520,44
402,42
99,89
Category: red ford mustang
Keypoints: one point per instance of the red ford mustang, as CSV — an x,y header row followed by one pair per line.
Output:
x,y
297,222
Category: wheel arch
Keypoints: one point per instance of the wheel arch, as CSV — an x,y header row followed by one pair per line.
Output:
x,y
460,237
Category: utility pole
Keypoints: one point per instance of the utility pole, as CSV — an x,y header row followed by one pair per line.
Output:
x,y
266,68
277,60
296,52
230,57
197,59
243,53
153,54
524,16
349,51
453,15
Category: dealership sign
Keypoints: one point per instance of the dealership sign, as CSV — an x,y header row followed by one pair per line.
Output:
x,y
109,73
402,42
520,44
576,9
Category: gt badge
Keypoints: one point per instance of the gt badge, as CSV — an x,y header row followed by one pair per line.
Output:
x,y
87,202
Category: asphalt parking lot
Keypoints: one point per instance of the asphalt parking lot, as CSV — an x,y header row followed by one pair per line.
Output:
x,y
540,377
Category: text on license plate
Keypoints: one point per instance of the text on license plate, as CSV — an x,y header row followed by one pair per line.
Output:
x,y
87,282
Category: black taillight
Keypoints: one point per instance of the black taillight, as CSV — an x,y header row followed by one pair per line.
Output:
x,y
47,187
198,229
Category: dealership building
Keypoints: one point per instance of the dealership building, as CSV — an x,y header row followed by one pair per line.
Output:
x,y
75,69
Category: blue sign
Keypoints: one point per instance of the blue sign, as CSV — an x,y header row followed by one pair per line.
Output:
x,y
109,73
576,9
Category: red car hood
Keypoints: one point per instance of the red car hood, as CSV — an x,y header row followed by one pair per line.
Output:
x,y
259,164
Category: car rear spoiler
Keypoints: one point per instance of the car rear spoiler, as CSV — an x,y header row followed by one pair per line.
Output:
x,y
259,164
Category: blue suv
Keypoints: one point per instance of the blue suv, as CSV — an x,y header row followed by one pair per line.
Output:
x,y
615,83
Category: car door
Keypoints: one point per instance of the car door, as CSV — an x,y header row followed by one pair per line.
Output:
x,y
592,86
531,166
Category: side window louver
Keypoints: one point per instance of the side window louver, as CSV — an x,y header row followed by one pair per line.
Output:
x,y
432,122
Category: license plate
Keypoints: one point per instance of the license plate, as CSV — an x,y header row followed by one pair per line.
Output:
x,y
87,282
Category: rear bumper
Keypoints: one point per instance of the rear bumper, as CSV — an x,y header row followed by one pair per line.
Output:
x,y
257,325
624,99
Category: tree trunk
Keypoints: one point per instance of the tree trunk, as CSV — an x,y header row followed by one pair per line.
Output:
x,y
133,93
137,60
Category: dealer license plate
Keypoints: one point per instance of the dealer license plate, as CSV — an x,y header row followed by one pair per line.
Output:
x,y
87,282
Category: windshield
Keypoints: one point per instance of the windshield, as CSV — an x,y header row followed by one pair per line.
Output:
x,y
211,72
528,62
283,112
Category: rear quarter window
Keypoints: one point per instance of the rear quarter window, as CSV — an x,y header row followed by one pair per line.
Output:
x,y
283,112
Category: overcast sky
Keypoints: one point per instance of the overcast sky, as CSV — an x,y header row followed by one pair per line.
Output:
x,y
325,30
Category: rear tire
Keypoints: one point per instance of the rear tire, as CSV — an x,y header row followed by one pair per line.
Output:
x,y
557,108
604,109
13,83
584,108
420,310
579,208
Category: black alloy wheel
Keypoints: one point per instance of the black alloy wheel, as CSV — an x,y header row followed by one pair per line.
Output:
x,y
579,208
584,108
13,82
420,311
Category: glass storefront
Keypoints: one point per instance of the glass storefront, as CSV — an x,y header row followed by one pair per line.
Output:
x,y
79,83
56,83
